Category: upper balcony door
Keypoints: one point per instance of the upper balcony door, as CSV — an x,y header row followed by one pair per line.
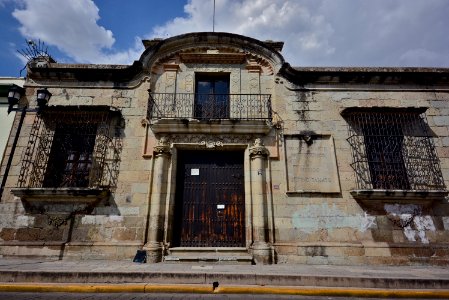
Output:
x,y
212,96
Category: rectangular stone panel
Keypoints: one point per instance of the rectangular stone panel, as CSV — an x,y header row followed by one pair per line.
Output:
x,y
311,164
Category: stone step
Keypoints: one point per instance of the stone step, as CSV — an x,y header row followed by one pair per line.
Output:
x,y
221,251
209,259
209,255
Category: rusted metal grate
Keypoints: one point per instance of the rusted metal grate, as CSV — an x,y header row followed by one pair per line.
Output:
x,y
393,149
210,205
72,148
209,106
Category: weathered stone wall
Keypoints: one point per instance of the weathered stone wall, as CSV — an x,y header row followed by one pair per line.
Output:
x,y
116,227
317,227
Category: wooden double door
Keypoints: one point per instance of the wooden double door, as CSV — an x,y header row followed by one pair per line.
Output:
x,y
210,204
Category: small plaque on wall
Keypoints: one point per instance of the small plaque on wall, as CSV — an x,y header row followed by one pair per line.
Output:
x,y
311,164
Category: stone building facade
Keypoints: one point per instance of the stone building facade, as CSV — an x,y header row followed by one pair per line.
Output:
x,y
211,147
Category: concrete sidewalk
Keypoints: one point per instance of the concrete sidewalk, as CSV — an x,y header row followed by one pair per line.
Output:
x,y
125,275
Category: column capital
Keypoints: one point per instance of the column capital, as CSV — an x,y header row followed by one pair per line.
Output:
x,y
258,149
162,147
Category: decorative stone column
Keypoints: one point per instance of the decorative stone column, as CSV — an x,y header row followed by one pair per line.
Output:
x,y
158,196
261,248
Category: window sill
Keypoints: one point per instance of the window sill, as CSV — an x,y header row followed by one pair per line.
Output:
x,y
370,197
61,195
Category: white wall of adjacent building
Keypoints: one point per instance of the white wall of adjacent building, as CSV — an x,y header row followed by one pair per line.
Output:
x,y
5,119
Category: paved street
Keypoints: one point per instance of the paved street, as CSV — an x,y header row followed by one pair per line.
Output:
x,y
134,296
124,277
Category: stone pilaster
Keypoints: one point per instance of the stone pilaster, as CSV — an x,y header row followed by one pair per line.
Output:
x,y
261,248
154,245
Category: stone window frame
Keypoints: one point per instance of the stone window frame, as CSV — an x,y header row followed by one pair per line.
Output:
x,y
425,181
32,186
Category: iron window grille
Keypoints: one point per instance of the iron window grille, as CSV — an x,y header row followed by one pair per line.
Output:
x,y
70,148
393,149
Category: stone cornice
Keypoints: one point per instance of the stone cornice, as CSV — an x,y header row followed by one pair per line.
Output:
x,y
207,58
329,76
85,72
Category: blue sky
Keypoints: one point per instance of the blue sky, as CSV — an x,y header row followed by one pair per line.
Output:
x,y
316,33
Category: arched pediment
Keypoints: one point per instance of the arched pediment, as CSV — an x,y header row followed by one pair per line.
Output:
x,y
211,48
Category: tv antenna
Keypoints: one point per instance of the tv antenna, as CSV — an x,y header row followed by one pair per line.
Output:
x,y
213,19
34,51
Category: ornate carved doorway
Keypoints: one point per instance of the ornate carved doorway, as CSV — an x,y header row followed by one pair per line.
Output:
x,y
210,204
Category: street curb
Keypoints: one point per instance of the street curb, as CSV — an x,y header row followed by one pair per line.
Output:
x,y
223,289
72,288
238,279
337,292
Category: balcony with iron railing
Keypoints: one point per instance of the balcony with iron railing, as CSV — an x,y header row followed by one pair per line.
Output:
x,y
182,112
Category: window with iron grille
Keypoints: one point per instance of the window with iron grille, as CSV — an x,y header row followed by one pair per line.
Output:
x,y
72,148
70,160
393,149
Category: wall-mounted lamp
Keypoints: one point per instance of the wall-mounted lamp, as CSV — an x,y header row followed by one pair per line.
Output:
x,y
14,95
43,96
16,92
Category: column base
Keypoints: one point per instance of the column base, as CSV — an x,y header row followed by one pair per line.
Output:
x,y
262,253
154,252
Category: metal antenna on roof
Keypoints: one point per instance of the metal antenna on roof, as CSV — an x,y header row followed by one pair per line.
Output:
x,y
33,51
213,19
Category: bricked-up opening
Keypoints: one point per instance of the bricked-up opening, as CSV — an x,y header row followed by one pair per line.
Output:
x,y
72,148
393,149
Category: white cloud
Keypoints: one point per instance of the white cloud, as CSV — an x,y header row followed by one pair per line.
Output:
x,y
316,33
304,32
329,32
72,27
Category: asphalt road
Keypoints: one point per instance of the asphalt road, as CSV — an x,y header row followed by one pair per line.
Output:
x,y
137,296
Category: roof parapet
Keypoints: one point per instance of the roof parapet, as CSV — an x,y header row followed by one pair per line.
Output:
x,y
151,43
276,45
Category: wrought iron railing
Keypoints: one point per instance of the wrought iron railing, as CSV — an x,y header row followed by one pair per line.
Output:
x,y
209,106
71,149
393,149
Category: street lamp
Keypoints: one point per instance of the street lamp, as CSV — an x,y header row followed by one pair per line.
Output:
x,y
14,95
43,95
16,92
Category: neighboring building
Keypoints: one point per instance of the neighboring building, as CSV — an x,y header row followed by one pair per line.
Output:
x,y
7,85
6,119
212,147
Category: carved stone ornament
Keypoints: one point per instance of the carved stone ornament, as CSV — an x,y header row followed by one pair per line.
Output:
x,y
258,149
162,147
210,141
212,144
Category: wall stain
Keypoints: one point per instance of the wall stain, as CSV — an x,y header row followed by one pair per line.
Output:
x,y
314,217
